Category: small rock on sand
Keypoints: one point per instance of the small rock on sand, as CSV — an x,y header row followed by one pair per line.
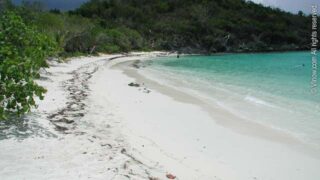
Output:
x,y
170,176
134,84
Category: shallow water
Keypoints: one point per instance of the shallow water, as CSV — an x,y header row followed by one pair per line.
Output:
x,y
269,88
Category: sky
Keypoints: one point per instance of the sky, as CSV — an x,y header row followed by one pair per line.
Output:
x,y
288,5
291,5
58,4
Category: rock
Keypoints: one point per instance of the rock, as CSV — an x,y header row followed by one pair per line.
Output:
x,y
134,84
170,176
123,151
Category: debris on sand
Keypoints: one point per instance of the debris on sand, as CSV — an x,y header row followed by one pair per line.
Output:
x,y
153,178
132,84
170,176
145,90
137,64
123,151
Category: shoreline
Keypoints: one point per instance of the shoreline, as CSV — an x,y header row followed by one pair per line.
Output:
x,y
294,149
117,131
221,116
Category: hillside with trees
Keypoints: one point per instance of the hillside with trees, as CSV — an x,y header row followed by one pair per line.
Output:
x,y
189,26
202,25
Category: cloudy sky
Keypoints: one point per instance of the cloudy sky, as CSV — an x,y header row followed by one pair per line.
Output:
x,y
59,4
291,5
287,5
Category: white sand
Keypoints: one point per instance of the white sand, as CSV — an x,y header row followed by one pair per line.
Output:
x,y
129,132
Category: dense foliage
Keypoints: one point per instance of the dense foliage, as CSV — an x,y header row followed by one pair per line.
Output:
x,y
203,25
77,34
184,25
22,53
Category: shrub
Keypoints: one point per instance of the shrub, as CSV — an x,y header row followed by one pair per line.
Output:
x,y
22,53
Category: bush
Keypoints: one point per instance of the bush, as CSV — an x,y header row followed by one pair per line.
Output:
x,y
22,53
119,39
109,48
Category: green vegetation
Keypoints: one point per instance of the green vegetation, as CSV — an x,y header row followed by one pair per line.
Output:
x,y
184,25
203,25
28,35
23,52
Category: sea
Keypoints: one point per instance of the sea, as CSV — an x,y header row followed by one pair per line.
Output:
x,y
272,89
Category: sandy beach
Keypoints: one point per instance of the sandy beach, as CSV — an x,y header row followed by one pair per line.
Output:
x,y
104,118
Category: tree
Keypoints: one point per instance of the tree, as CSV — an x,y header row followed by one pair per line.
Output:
x,y
23,52
300,13
5,5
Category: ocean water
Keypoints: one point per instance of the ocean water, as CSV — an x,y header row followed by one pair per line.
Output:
x,y
273,89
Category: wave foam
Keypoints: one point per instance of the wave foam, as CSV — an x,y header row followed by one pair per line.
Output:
x,y
258,101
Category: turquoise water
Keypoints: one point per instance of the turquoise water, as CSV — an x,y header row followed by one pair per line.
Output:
x,y
273,88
